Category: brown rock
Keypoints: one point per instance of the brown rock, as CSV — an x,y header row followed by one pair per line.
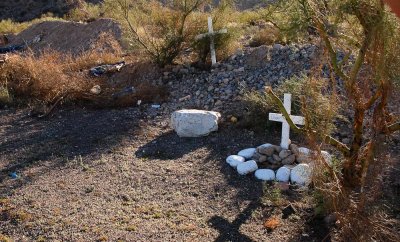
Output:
x,y
294,149
263,158
256,156
284,153
267,150
276,158
289,160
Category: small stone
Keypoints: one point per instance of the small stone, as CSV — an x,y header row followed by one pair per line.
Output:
x,y
247,167
346,140
256,156
234,160
304,155
301,174
266,149
218,103
247,153
263,158
276,158
283,174
278,149
265,174
289,160
96,90
284,153
294,149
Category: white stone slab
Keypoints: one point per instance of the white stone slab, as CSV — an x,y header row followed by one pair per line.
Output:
x,y
194,123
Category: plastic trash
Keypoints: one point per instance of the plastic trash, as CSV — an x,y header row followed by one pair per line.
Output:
x,y
157,106
13,175
103,69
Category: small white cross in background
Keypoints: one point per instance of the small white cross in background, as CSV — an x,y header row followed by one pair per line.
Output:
x,y
285,142
211,34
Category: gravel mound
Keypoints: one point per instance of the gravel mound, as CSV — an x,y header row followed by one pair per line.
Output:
x,y
248,69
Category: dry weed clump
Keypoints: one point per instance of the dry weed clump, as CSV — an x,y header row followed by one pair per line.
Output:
x,y
51,76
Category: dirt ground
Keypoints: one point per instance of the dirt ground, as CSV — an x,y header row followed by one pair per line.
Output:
x,y
116,175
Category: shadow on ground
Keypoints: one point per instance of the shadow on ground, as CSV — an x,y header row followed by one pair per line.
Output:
x,y
50,143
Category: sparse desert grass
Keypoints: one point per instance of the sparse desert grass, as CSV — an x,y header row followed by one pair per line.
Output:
x,y
8,26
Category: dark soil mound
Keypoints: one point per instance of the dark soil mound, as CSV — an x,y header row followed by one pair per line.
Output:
x,y
25,10
71,37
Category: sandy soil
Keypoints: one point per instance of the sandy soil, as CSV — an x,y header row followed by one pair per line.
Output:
x,y
115,175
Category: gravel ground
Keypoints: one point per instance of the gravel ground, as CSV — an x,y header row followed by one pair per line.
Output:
x,y
114,175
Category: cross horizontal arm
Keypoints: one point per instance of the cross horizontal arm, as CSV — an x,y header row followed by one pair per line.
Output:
x,y
280,118
208,35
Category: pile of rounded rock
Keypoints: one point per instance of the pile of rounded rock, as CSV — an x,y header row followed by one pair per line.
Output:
x,y
271,162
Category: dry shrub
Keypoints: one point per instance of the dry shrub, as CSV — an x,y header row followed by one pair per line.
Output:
x,y
53,77
266,36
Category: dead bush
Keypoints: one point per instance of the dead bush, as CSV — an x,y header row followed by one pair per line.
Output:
x,y
267,35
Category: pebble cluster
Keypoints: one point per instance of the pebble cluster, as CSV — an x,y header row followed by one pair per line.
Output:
x,y
271,162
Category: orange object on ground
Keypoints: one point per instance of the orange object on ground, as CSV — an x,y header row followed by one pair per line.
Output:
x,y
395,6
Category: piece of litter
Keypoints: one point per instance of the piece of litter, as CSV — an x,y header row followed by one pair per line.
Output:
x,y
13,175
156,106
272,223
139,102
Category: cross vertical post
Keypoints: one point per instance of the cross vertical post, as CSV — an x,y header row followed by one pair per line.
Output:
x,y
212,44
211,35
285,141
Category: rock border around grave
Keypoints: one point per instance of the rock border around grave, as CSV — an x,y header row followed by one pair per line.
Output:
x,y
272,163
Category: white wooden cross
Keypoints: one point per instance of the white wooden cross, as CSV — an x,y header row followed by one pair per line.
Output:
x,y
211,34
285,142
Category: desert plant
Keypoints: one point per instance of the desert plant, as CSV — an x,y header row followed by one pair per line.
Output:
x,y
159,29
368,78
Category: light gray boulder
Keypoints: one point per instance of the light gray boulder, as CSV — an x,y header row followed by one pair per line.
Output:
x,y
247,167
194,123
247,153
265,174
301,174
234,160
283,174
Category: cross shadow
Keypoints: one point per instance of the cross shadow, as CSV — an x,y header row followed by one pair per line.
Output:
x,y
230,231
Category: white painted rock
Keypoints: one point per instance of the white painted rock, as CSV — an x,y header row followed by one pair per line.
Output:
x,y
301,174
265,174
247,167
194,123
247,153
283,174
234,160
304,155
